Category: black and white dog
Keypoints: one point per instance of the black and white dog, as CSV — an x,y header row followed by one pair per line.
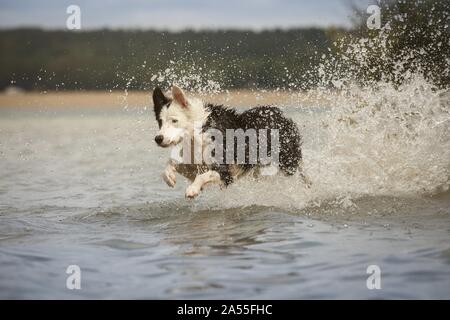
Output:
x,y
180,119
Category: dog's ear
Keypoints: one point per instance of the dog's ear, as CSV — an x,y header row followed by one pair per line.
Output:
x,y
159,100
180,97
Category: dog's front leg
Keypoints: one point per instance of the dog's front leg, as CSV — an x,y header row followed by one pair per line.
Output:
x,y
200,181
169,175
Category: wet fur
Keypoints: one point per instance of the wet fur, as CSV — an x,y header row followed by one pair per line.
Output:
x,y
222,118
263,117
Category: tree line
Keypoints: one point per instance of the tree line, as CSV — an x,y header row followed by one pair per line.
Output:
x,y
105,59
415,37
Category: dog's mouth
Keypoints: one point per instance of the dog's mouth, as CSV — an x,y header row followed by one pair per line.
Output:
x,y
165,145
170,144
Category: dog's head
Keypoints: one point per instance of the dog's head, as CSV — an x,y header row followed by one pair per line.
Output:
x,y
174,116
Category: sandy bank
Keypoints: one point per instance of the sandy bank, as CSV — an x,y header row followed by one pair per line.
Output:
x,y
121,99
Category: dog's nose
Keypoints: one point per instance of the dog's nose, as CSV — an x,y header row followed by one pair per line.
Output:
x,y
159,139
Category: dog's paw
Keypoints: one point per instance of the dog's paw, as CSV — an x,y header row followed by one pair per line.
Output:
x,y
169,177
192,191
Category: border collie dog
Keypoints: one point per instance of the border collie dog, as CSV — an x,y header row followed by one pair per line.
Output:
x,y
182,119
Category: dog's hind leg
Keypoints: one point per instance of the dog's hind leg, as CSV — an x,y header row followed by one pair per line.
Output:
x,y
305,179
200,181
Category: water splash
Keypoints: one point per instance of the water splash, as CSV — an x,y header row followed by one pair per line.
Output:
x,y
386,130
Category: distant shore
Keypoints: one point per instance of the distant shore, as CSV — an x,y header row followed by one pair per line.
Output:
x,y
121,99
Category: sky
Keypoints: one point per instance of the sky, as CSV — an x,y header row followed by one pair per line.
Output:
x,y
178,14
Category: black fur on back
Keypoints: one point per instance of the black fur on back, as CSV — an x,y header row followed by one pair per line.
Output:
x,y
264,117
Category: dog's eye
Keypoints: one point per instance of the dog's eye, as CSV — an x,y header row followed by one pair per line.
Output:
x,y
174,120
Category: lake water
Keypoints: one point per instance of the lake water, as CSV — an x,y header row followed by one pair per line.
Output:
x,y
83,187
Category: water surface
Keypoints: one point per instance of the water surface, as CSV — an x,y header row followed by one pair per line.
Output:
x,y
84,188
